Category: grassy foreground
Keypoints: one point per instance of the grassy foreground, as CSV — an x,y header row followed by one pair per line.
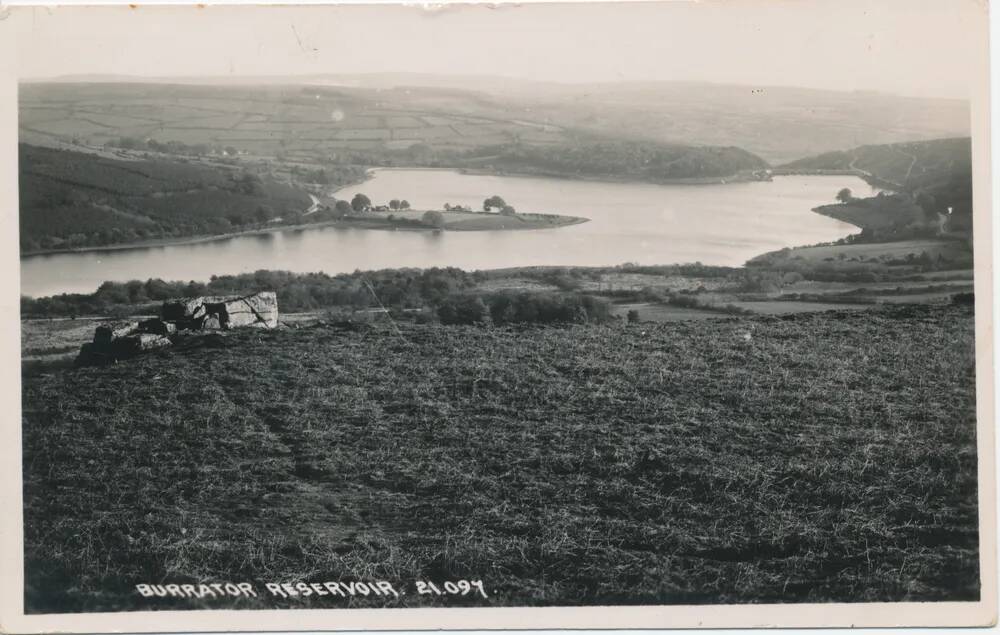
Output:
x,y
818,457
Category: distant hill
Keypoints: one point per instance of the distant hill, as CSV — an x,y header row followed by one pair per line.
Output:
x,y
430,127
774,122
632,160
315,116
907,166
929,177
295,121
73,199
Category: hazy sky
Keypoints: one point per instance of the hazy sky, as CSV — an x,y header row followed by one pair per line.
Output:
x,y
911,47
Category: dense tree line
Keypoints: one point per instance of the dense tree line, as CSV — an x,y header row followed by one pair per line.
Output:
x,y
445,291
328,175
172,147
523,307
72,199
907,166
391,288
633,159
934,177
586,156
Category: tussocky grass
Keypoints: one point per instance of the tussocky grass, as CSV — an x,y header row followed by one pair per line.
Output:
x,y
811,458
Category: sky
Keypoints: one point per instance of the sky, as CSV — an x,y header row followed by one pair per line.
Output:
x,y
932,48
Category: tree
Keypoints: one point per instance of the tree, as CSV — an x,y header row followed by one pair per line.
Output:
x,y
633,316
845,195
433,218
464,310
131,143
507,210
263,213
404,204
157,289
493,201
343,208
217,225
248,183
360,203
394,203
929,204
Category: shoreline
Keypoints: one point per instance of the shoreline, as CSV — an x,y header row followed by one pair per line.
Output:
x,y
867,177
747,265
173,242
586,178
701,180
370,173
823,211
565,221
347,223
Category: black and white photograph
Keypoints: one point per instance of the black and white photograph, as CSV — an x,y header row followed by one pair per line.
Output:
x,y
600,307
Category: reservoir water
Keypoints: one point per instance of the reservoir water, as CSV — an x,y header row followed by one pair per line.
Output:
x,y
629,222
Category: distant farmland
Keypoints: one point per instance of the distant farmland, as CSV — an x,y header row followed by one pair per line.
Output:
x,y
399,112
298,121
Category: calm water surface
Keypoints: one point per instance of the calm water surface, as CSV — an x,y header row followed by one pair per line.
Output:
x,y
630,222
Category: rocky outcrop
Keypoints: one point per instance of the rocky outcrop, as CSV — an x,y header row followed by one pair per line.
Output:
x,y
130,345
259,310
158,326
120,340
107,333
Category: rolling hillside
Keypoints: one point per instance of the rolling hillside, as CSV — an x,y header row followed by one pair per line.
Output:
x,y
929,178
297,121
631,160
906,166
389,113
73,199
776,123
334,126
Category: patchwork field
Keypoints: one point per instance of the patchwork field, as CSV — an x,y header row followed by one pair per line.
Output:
x,y
817,457
312,121
309,122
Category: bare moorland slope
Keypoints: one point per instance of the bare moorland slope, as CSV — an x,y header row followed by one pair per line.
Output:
x,y
823,457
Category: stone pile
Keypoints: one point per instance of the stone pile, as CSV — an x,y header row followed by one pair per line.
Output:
x,y
258,310
120,340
